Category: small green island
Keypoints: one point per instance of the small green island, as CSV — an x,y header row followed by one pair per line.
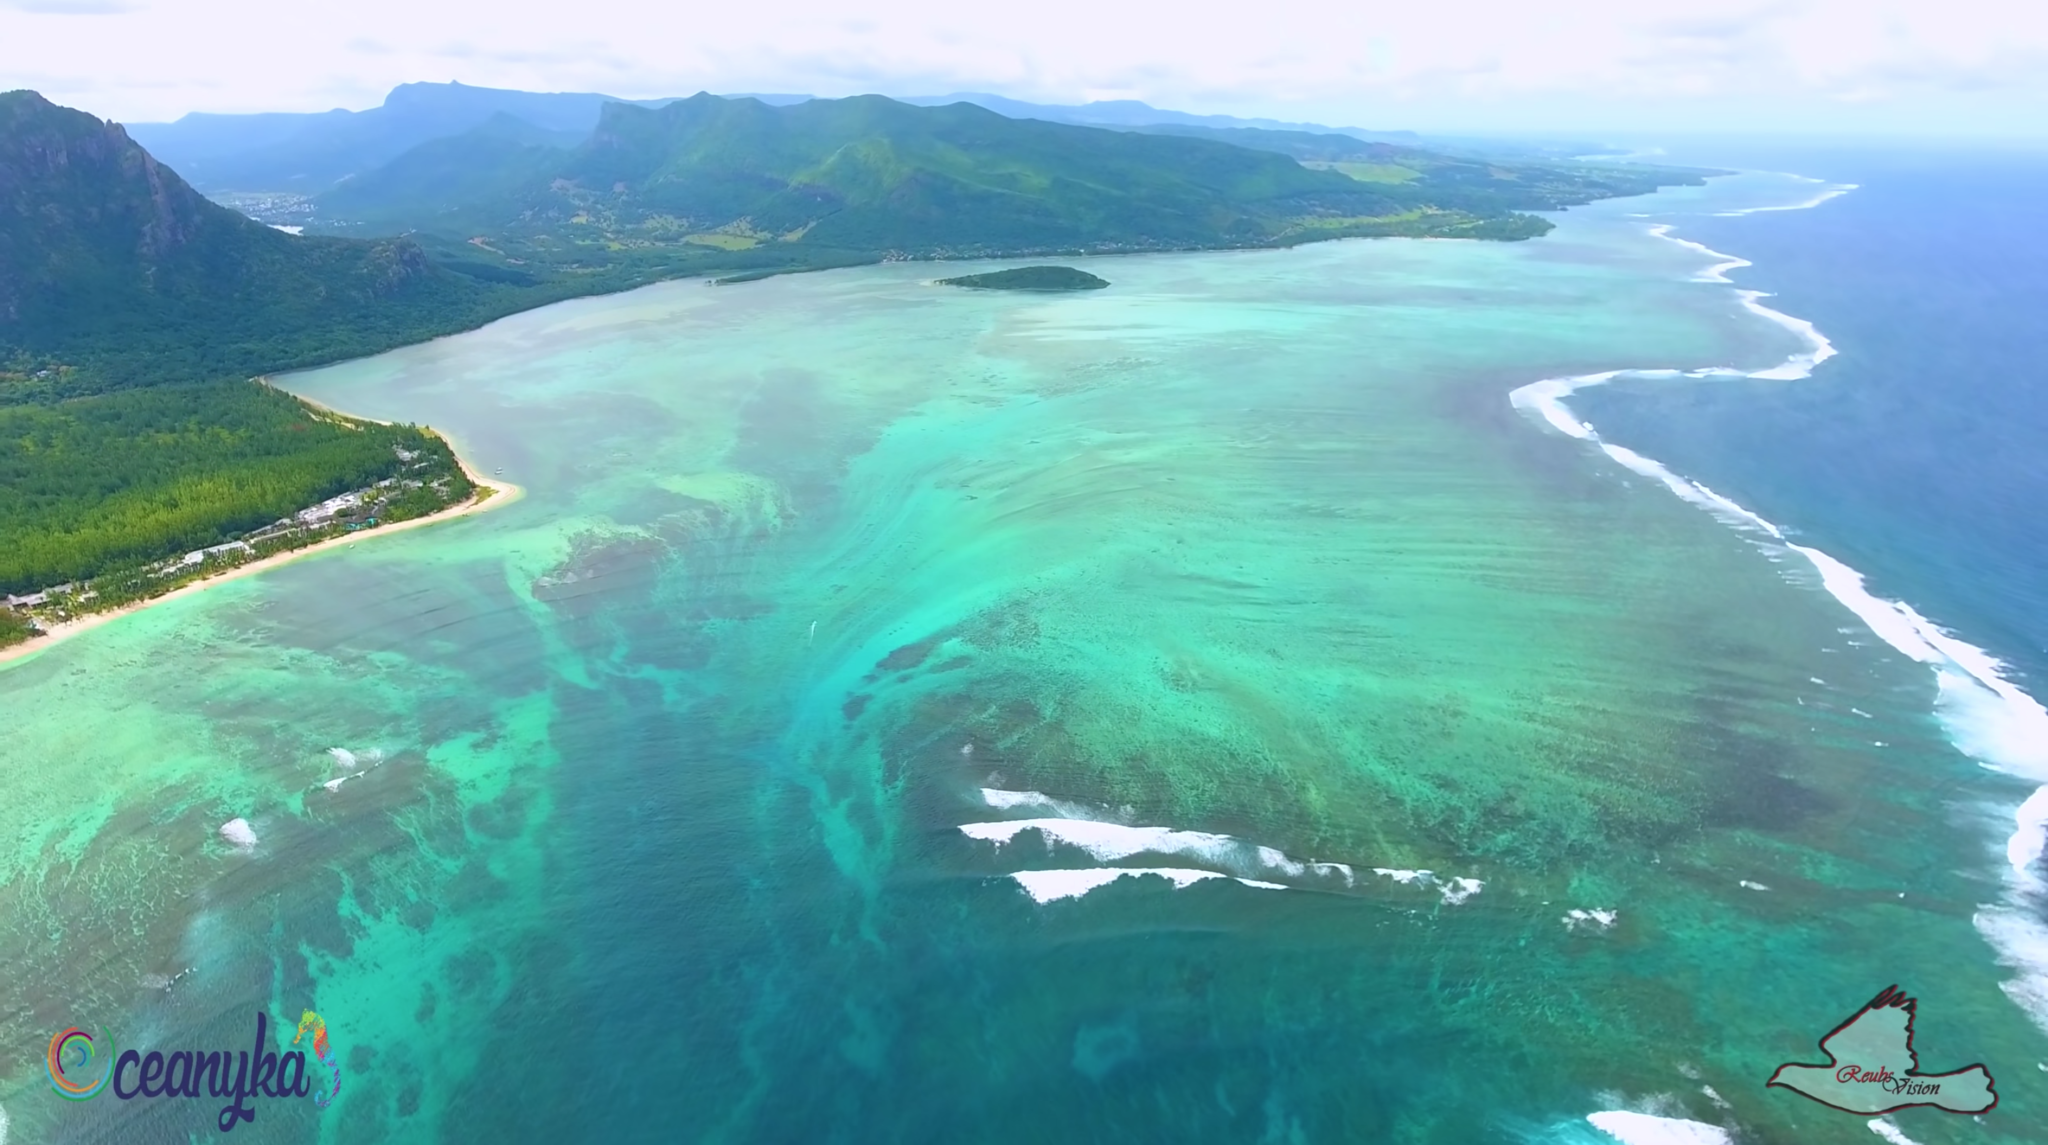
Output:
x,y
1029,278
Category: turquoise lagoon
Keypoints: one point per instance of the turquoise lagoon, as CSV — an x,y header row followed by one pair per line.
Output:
x,y
679,800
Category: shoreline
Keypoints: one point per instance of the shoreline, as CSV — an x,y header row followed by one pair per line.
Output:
x,y
491,494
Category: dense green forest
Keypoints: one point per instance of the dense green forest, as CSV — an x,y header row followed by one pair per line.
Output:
x,y
105,482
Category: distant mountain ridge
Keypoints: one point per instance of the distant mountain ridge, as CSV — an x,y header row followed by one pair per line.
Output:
x,y
308,153
872,174
1123,113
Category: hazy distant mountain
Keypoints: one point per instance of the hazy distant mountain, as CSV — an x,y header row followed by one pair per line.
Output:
x,y
115,272
477,174
1307,146
310,153
871,174
1132,115
1122,113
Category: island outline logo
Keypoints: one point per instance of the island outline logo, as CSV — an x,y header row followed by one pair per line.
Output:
x,y
1873,1069
260,1071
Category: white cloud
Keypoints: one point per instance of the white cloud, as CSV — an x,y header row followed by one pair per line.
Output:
x,y
1506,62
69,7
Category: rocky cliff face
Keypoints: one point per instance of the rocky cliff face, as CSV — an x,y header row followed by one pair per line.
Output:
x,y
69,180
78,197
113,267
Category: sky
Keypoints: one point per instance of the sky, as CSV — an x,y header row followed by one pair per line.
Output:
x,y
1910,67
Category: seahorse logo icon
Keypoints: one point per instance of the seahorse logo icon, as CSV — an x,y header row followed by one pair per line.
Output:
x,y
70,1061
310,1021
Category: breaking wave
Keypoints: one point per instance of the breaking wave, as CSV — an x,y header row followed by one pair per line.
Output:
x,y
1454,890
1648,1129
1985,715
1108,842
1051,886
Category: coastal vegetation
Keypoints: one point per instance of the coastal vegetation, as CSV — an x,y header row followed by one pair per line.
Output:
x,y
107,482
133,313
1051,278
127,496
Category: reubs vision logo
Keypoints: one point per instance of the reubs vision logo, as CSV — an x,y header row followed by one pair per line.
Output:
x,y
81,1068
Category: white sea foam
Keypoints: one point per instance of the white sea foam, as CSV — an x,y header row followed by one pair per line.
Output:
x,y
1835,191
1987,716
1715,273
3,1125
1576,919
1458,890
1644,1129
1747,885
2021,940
1401,876
1798,366
1889,1132
1108,842
357,764
2028,843
1051,886
1007,800
239,834
1454,890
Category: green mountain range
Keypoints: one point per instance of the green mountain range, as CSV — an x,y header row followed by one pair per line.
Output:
x,y
308,153
870,174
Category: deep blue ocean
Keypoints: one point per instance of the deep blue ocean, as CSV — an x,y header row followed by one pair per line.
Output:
x,y
1919,455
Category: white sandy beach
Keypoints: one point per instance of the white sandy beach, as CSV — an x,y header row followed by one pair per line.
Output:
x,y
491,494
